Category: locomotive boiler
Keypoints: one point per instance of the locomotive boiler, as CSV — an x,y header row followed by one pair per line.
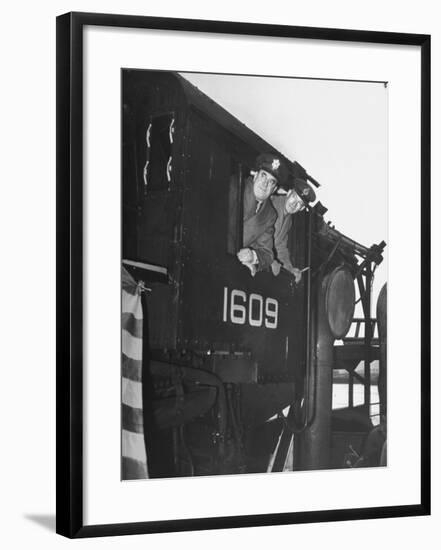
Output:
x,y
237,371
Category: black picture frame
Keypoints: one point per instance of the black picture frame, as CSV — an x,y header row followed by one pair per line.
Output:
x,y
69,292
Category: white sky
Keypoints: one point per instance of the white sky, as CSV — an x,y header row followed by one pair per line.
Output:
x,y
336,130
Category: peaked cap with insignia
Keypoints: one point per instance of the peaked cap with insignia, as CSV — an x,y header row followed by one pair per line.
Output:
x,y
304,190
274,165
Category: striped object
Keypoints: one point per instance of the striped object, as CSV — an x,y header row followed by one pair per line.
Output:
x,y
134,459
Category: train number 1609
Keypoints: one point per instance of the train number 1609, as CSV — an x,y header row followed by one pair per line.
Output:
x,y
254,309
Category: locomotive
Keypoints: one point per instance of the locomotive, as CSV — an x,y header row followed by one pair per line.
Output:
x,y
237,370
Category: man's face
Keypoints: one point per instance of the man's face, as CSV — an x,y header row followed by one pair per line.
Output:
x,y
293,203
264,185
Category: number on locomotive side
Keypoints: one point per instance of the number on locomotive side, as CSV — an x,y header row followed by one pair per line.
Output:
x,y
253,309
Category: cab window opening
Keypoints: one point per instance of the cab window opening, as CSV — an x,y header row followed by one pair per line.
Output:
x,y
235,210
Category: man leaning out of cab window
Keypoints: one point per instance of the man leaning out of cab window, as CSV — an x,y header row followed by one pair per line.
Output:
x,y
286,205
259,215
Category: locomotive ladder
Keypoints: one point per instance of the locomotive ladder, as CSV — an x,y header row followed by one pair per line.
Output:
x,y
347,357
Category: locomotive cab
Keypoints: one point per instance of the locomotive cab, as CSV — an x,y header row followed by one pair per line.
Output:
x,y
182,213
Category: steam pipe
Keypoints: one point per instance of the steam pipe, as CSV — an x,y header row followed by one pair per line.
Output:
x,y
315,442
374,253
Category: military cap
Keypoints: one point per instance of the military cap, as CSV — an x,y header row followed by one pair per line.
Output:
x,y
274,165
303,190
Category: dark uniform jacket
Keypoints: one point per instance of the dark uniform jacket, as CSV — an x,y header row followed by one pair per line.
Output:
x,y
258,228
281,230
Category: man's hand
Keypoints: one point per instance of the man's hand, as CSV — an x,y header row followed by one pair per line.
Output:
x,y
245,255
276,267
297,274
252,268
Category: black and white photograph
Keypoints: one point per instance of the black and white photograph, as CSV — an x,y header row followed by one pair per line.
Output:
x,y
222,256
254,274
242,275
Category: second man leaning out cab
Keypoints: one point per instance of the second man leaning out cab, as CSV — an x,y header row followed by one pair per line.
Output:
x,y
296,200
259,215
